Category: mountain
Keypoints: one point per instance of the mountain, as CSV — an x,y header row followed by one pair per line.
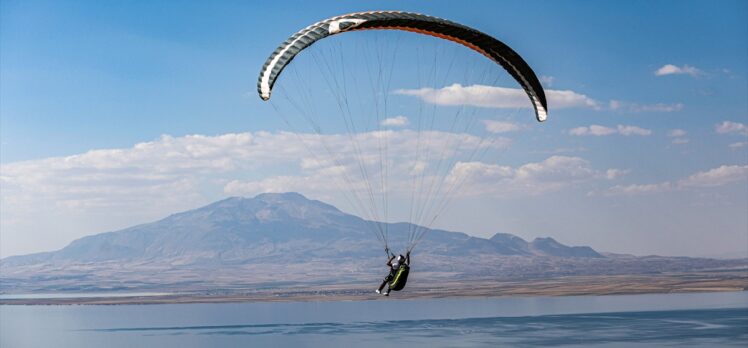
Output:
x,y
277,238
286,227
231,230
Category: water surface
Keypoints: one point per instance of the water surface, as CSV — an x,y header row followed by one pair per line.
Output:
x,y
708,319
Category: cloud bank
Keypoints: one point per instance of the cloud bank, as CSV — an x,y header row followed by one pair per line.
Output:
x,y
496,97
552,174
512,98
715,177
175,173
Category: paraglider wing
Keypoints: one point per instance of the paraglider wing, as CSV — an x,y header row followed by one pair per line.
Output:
x,y
413,22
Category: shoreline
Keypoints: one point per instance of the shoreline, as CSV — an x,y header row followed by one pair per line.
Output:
x,y
560,286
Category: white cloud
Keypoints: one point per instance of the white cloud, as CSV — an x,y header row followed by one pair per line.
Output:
x,y
569,99
678,136
496,97
632,130
315,183
659,107
615,104
612,174
670,69
179,167
552,174
720,176
594,129
676,133
597,130
510,98
618,105
398,121
729,127
738,145
138,177
629,190
500,126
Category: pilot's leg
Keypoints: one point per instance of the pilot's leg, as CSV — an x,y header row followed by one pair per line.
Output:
x,y
384,282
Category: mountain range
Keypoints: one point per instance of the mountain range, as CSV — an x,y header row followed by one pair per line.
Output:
x,y
284,238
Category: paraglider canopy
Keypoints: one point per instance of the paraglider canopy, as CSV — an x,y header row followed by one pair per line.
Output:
x,y
413,22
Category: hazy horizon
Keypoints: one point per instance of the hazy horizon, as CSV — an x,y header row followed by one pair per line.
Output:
x,y
725,255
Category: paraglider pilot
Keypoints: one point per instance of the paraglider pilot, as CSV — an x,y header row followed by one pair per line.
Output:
x,y
398,273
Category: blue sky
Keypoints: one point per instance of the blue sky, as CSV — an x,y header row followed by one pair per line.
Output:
x,y
81,77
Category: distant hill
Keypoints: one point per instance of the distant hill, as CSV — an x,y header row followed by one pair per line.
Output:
x,y
284,238
285,227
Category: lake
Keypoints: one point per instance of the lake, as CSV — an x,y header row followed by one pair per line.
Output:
x,y
696,319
